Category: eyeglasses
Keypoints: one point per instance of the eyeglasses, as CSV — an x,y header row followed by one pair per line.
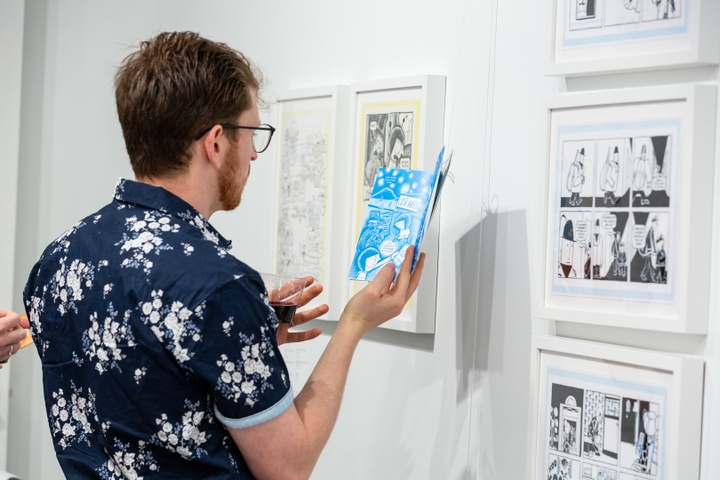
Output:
x,y
261,136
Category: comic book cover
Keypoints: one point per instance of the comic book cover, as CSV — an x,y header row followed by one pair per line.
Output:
x,y
401,206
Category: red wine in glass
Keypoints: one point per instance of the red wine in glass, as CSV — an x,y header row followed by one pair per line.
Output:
x,y
284,311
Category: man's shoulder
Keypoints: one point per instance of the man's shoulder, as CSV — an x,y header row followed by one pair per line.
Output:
x,y
79,228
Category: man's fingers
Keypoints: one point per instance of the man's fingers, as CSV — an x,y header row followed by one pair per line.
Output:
x,y
310,292
313,313
295,337
383,280
403,278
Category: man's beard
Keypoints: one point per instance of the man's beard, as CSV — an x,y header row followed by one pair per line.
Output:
x,y
229,185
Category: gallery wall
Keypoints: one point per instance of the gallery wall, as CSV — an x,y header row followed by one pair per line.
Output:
x,y
455,404
11,32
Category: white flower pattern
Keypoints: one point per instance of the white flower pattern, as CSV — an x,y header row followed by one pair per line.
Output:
x,y
71,418
248,377
184,437
127,462
68,282
99,312
145,237
171,324
101,340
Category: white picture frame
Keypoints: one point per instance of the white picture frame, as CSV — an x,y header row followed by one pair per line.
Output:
x,y
608,36
410,113
312,188
628,260
624,412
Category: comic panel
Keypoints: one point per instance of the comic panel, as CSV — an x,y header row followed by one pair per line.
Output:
x,y
612,188
563,468
641,429
574,244
601,427
608,246
570,427
389,138
622,12
598,472
585,14
578,165
649,236
654,10
651,170
565,419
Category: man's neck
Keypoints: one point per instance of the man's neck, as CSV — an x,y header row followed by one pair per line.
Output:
x,y
187,187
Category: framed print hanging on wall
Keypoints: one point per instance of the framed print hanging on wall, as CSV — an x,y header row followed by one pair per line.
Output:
x,y
312,188
606,36
629,201
605,411
398,123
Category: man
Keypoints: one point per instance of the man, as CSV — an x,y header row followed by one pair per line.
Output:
x,y
160,349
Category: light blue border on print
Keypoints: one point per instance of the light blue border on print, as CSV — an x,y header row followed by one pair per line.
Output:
x,y
597,290
606,381
606,38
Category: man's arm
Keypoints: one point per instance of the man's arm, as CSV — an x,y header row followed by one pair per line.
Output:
x,y
289,445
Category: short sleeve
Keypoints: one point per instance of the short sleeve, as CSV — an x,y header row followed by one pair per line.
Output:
x,y
238,357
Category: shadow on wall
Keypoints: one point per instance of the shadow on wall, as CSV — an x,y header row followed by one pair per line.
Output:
x,y
494,330
493,292
474,267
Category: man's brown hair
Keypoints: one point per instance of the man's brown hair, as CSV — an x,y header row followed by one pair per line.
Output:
x,y
171,90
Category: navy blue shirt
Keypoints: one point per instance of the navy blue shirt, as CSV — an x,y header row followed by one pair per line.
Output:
x,y
152,339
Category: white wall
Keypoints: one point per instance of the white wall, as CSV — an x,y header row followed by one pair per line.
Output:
x,y
11,34
453,405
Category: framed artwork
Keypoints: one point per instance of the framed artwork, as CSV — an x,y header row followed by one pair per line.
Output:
x,y
398,123
629,199
609,412
313,180
605,36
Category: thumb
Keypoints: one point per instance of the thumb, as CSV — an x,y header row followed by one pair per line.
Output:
x,y
383,280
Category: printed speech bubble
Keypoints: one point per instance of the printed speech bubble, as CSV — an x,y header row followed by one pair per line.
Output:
x,y
659,183
609,221
638,236
582,228
387,248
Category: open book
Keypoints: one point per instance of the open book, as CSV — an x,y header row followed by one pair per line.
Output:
x,y
402,203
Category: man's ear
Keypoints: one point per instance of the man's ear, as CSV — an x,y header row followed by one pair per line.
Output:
x,y
210,146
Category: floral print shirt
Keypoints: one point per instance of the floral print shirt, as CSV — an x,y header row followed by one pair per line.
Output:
x,y
153,339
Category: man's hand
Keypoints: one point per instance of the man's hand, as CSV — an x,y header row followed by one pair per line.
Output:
x,y
382,299
284,335
12,331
